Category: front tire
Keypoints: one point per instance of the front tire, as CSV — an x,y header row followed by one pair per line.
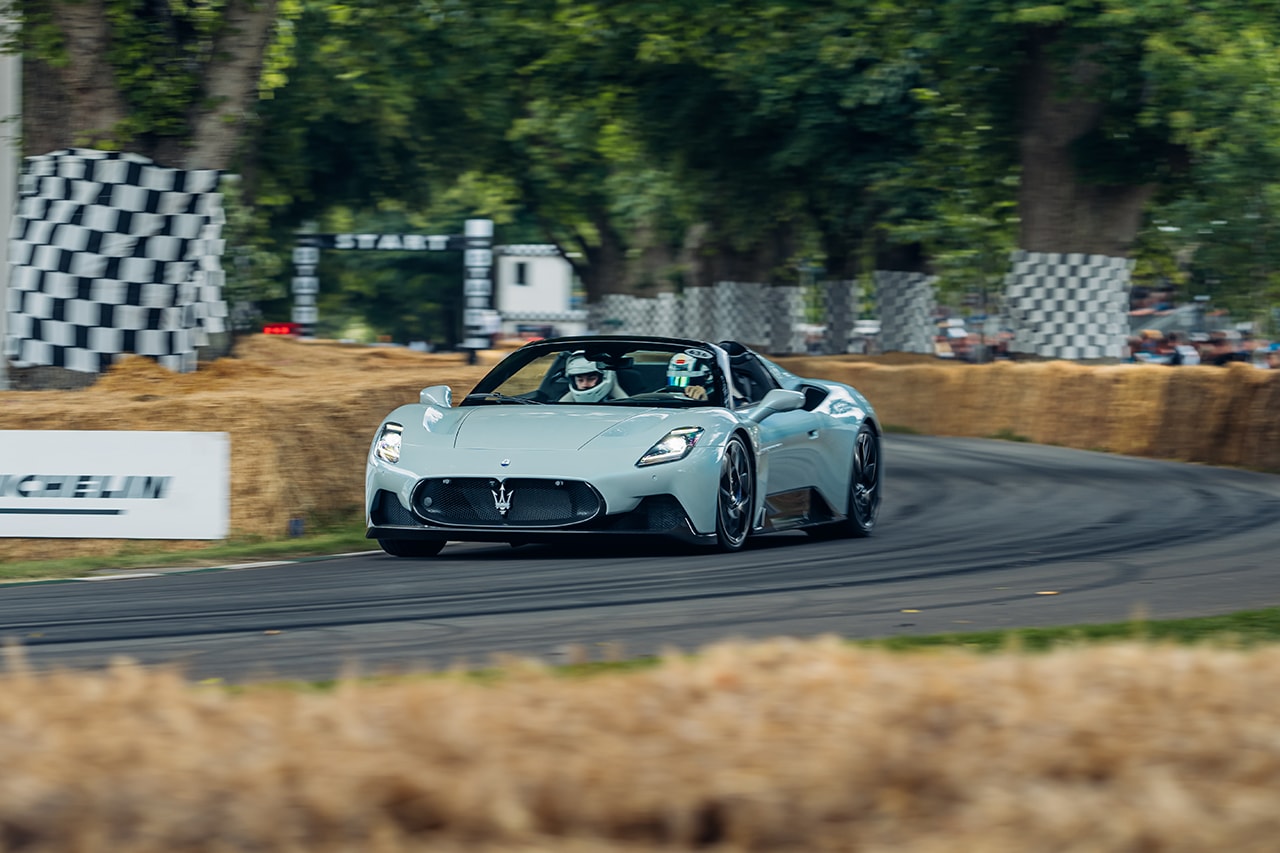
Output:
x,y
412,548
735,496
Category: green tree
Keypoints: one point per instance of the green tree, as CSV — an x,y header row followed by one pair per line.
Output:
x,y
1216,234
854,132
574,150
1101,103
176,82
428,105
782,120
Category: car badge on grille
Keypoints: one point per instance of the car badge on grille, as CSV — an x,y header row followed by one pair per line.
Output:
x,y
505,462
502,499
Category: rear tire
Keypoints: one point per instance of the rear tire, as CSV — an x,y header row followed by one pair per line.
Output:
x,y
865,485
735,496
412,548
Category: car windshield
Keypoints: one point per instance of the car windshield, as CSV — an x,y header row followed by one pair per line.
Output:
x,y
612,373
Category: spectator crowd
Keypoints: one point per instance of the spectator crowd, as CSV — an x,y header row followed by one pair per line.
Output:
x,y
1218,348
1151,311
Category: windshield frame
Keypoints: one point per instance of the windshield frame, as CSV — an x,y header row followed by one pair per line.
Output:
x,y
613,350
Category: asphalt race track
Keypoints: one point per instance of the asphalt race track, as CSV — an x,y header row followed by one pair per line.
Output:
x,y
974,534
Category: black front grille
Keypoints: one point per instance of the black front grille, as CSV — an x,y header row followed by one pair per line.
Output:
x,y
655,514
387,510
529,502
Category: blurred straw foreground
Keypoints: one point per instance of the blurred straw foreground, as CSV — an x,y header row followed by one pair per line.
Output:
x,y
780,746
301,415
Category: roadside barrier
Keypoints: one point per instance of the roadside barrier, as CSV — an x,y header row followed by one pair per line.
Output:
x,y
1212,415
301,416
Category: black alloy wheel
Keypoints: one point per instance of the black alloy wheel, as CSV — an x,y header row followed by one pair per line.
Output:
x,y
735,497
412,547
864,483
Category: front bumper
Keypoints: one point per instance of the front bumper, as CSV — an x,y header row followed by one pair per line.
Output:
x,y
673,499
654,515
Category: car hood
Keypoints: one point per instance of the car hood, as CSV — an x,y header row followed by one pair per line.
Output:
x,y
558,428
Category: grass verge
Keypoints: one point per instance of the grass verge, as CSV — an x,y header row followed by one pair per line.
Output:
x,y
336,539
1244,629
1241,630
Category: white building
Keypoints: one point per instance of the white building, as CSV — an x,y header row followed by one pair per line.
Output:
x,y
536,292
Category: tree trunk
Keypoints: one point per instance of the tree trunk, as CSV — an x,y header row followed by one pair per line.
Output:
x,y
656,265
606,261
80,105
77,104
1059,212
721,260
231,90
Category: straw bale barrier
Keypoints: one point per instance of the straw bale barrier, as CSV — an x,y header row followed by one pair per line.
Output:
x,y
779,746
301,415
1212,415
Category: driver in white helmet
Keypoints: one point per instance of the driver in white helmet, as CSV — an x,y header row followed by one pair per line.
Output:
x,y
590,381
687,375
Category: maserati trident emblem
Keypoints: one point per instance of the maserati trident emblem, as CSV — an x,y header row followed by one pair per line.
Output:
x,y
502,499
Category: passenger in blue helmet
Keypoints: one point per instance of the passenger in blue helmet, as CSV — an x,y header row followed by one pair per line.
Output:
x,y
688,375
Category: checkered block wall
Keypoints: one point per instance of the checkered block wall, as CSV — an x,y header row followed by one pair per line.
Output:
x,y
738,313
620,314
665,317
1070,306
905,302
545,316
840,308
730,310
111,254
697,313
784,308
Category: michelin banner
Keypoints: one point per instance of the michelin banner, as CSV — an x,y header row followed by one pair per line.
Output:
x,y
114,485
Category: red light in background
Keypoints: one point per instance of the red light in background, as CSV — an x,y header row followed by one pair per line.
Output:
x,y
282,329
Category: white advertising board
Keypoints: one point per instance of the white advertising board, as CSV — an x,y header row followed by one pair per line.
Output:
x,y
88,484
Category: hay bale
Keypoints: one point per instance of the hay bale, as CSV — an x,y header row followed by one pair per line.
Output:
x,y
301,414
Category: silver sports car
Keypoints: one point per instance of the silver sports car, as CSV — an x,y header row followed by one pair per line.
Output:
x,y
625,435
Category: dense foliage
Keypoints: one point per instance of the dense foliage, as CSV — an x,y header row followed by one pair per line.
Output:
x,y
665,145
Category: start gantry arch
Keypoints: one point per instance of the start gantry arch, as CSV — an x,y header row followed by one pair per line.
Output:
x,y
475,243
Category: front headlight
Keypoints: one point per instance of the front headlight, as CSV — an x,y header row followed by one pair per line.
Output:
x,y
673,446
387,447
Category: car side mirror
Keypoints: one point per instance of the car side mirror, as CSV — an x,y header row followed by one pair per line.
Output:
x,y
777,400
436,395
